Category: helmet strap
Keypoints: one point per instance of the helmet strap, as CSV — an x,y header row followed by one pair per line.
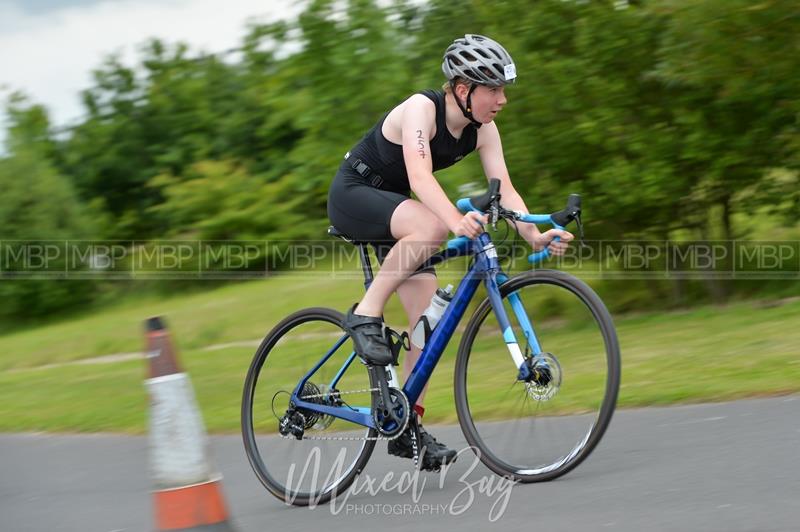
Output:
x,y
468,110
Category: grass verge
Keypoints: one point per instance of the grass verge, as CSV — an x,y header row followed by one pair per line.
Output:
x,y
708,354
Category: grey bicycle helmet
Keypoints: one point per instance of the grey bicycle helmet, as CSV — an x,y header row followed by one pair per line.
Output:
x,y
480,60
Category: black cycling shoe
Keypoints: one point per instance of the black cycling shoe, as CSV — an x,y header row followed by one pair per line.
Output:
x,y
370,337
434,454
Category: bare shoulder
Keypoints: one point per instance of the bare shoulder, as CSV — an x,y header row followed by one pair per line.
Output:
x,y
418,109
420,102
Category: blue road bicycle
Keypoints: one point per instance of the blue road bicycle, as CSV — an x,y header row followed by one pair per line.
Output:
x,y
536,375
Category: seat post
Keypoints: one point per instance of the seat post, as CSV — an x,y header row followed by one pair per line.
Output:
x,y
366,265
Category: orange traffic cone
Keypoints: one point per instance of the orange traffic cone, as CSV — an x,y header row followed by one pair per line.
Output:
x,y
188,491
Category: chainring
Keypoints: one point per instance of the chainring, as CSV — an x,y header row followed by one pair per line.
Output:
x,y
384,425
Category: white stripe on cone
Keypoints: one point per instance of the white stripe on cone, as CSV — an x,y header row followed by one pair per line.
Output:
x,y
178,443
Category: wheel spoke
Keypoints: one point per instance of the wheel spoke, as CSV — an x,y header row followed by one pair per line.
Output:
x,y
540,430
309,470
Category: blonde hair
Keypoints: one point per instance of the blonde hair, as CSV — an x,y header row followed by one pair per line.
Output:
x,y
448,88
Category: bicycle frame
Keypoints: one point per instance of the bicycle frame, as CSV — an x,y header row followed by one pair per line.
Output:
x,y
486,268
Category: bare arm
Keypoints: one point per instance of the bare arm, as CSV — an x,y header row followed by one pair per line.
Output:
x,y
490,149
419,117
494,165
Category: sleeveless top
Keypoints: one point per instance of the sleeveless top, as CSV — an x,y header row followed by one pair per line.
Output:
x,y
386,158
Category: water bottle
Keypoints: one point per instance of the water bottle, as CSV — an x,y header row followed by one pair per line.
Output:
x,y
431,316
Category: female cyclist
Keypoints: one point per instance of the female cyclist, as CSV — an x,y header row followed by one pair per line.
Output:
x,y
370,197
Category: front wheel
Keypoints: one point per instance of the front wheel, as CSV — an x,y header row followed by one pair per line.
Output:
x,y
541,428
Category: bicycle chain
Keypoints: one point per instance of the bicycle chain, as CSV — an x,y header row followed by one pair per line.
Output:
x,y
343,438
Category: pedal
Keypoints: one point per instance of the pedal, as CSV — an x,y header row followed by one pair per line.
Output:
x,y
397,341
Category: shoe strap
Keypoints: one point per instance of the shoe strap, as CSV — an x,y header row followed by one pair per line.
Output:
x,y
378,327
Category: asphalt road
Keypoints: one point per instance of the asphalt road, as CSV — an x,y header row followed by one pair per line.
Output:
x,y
723,467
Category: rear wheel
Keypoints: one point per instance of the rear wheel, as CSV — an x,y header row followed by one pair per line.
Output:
x,y
308,471
538,430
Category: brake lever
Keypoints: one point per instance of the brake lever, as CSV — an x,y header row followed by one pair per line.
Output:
x,y
579,223
495,215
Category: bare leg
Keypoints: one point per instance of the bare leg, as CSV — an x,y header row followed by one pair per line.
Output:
x,y
419,233
415,295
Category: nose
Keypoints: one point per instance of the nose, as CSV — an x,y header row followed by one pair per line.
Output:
x,y
501,97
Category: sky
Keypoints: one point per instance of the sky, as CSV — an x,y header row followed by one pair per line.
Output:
x,y
48,48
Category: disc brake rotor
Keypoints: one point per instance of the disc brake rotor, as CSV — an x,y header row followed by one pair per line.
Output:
x,y
546,380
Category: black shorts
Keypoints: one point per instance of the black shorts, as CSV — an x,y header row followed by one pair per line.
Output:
x,y
364,212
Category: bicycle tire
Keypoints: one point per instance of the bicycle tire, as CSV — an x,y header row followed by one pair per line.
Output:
x,y
526,473
270,481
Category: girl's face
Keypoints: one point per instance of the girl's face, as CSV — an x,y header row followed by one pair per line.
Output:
x,y
487,102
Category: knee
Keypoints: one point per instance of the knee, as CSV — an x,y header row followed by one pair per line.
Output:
x,y
442,231
436,232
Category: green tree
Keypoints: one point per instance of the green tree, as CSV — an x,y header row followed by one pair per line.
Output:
x,y
737,64
38,210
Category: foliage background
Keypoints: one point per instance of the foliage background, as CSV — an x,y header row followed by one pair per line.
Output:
x,y
675,119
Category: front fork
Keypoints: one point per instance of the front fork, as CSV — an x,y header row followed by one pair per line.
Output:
x,y
493,281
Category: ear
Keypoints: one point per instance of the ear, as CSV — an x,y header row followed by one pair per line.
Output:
x,y
462,89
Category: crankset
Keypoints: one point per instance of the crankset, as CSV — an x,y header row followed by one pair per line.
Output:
x,y
390,408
